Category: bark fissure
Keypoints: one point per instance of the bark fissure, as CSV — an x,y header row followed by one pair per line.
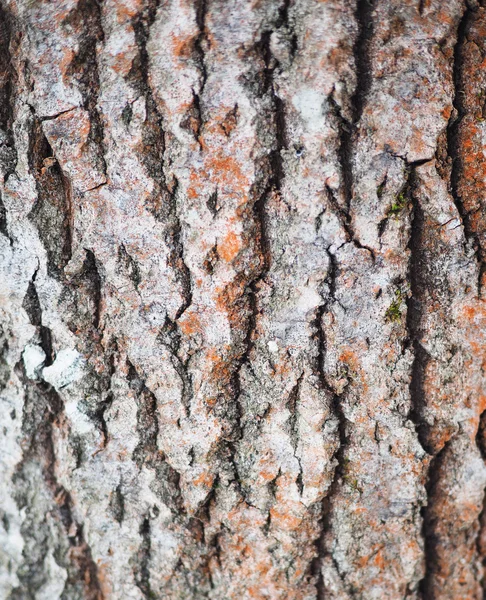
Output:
x,y
417,279
142,576
52,213
273,186
165,205
85,64
431,542
43,411
347,128
8,153
147,451
418,399
362,57
481,536
32,307
339,457
346,150
454,139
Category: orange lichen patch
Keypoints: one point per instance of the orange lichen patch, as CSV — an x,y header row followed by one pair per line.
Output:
x,y
192,192
418,144
222,371
68,56
474,316
227,298
446,112
223,122
122,62
190,323
127,9
283,367
283,519
229,248
205,479
182,46
481,403
244,516
350,358
230,121
73,125
212,355
268,468
226,172
103,578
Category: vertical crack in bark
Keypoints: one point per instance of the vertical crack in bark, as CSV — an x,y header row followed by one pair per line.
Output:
x,y
165,204
431,542
107,397
147,451
200,46
347,136
345,218
273,185
32,307
481,538
170,337
339,456
90,270
43,411
291,405
418,283
3,221
364,12
52,213
8,153
454,139
347,130
142,575
85,67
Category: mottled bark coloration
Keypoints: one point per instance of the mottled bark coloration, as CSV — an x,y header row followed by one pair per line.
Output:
x,y
242,325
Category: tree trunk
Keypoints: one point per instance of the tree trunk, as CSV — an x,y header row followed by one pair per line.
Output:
x,y
242,330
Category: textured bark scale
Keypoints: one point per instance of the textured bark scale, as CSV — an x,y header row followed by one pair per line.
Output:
x,y
242,315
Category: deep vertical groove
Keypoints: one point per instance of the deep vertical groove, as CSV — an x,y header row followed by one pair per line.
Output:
x,y
425,586
32,307
43,411
52,212
275,175
147,451
481,538
92,272
201,41
338,411
417,280
418,283
454,140
362,60
165,207
8,154
85,65
142,576
347,136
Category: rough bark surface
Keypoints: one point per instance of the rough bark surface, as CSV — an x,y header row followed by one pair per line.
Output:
x,y
242,314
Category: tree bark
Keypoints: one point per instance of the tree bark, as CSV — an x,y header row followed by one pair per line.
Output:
x,y
242,314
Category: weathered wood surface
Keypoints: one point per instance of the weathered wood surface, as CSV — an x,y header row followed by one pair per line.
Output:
x,y
242,249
